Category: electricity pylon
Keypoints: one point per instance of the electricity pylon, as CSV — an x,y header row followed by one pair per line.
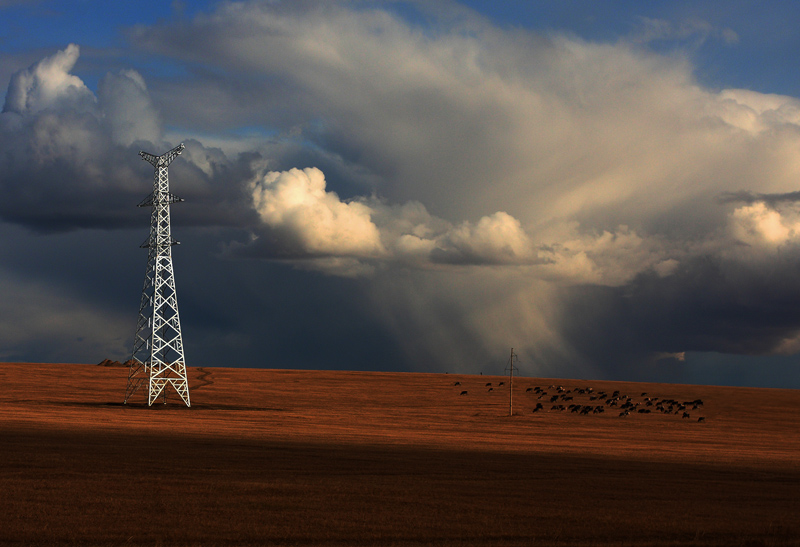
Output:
x,y
157,357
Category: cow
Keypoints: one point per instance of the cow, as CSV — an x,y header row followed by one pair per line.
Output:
x,y
529,390
463,393
501,384
701,419
488,384
686,415
491,389
457,384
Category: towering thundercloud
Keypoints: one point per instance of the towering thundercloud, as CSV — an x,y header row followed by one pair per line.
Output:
x,y
157,357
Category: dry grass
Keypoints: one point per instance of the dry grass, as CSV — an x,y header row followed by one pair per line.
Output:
x,y
338,458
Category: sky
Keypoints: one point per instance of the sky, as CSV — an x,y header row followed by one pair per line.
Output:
x,y
609,188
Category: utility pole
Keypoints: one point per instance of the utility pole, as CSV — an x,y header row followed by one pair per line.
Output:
x,y
157,357
510,368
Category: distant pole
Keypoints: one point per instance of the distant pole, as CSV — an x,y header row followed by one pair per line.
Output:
x,y
510,370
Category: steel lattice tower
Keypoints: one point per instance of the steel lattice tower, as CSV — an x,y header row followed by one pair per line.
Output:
x,y
157,357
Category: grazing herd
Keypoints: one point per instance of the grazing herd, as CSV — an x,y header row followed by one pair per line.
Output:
x,y
585,400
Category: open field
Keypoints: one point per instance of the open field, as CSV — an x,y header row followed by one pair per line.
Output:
x,y
279,457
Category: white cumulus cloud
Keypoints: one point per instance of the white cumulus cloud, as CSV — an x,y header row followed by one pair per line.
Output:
x,y
296,204
761,226
304,220
46,83
497,239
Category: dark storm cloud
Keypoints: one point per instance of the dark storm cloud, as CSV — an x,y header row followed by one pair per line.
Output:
x,y
751,197
707,305
256,313
70,159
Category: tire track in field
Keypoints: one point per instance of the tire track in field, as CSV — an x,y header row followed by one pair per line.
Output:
x,y
203,378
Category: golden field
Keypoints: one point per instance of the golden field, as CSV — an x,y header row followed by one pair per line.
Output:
x,y
285,457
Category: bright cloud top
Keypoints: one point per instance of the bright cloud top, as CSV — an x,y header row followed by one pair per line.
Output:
x,y
317,222
46,83
301,219
761,226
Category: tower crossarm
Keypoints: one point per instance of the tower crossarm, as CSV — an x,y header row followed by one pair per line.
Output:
x,y
149,201
147,244
164,159
149,157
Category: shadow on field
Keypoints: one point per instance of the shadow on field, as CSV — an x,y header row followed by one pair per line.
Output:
x,y
251,492
171,405
203,377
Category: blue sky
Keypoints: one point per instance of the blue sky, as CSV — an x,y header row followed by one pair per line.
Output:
x,y
762,59
610,188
